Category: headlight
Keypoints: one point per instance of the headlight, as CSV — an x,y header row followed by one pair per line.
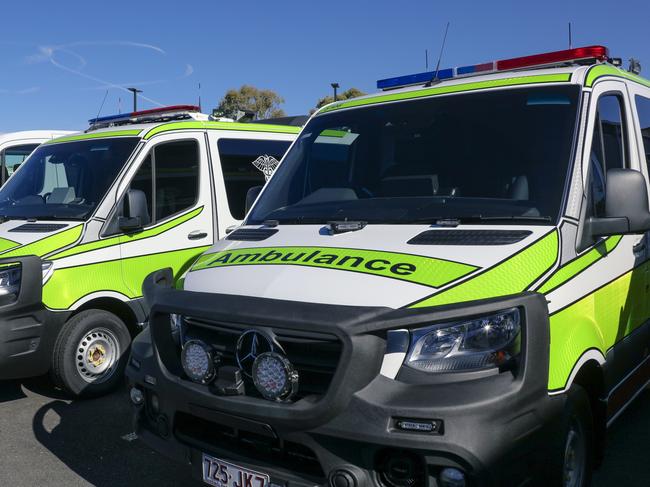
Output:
x,y
480,343
10,280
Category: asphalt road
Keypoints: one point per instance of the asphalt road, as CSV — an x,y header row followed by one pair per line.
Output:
x,y
46,440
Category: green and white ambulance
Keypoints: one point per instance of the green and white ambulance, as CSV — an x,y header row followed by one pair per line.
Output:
x,y
87,216
444,284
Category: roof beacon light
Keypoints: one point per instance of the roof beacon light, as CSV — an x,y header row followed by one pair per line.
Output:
x,y
590,53
579,55
145,115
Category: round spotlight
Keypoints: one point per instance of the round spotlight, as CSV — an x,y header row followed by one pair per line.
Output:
x,y
197,361
274,377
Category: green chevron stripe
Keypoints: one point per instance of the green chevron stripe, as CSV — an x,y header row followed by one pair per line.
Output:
x,y
576,266
445,90
46,245
417,269
6,244
234,126
606,70
121,239
95,135
514,275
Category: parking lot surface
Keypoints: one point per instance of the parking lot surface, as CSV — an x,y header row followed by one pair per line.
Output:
x,y
48,440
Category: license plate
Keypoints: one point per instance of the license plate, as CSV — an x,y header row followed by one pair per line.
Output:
x,y
225,474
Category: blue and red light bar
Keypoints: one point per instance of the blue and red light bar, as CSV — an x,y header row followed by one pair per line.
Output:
x,y
170,110
579,54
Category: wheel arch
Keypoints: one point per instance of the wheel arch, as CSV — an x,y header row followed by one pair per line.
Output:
x,y
591,377
116,306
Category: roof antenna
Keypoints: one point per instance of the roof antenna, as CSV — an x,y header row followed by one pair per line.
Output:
x,y
426,59
442,48
570,37
98,112
200,109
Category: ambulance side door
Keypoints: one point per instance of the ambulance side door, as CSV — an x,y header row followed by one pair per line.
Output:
x,y
640,107
620,287
173,175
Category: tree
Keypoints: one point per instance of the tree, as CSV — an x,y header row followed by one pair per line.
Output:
x,y
263,103
346,95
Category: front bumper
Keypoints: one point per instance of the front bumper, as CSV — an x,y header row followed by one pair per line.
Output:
x,y
27,329
494,427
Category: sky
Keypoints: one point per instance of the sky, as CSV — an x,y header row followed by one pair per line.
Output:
x,y
60,60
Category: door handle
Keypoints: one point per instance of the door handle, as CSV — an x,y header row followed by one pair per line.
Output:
x,y
197,235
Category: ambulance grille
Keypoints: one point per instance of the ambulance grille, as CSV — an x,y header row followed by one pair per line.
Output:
x,y
315,355
252,234
38,227
469,237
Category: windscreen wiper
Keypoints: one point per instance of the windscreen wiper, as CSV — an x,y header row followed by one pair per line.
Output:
x,y
295,221
55,218
454,221
515,218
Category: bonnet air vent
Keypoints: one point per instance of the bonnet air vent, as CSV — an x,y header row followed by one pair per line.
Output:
x,y
469,237
38,227
252,234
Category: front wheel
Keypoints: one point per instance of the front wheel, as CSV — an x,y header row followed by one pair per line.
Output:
x,y
90,353
573,450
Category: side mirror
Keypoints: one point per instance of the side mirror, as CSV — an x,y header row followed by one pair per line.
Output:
x,y
136,211
626,205
251,196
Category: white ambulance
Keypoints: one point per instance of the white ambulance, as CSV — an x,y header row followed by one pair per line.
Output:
x,y
89,215
444,284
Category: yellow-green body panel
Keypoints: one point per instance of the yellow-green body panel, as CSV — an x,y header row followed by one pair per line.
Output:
x,y
597,321
514,275
571,269
69,285
46,245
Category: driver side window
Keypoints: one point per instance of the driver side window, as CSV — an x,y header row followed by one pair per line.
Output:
x,y
608,150
169,178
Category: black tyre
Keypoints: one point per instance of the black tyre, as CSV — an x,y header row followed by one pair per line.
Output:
x,y
90,353
573,449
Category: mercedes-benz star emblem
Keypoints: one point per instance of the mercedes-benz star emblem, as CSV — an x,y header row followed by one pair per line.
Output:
x,y
250,345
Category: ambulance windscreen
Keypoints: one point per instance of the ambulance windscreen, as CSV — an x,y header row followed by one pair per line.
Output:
x,y
501,154
65,181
